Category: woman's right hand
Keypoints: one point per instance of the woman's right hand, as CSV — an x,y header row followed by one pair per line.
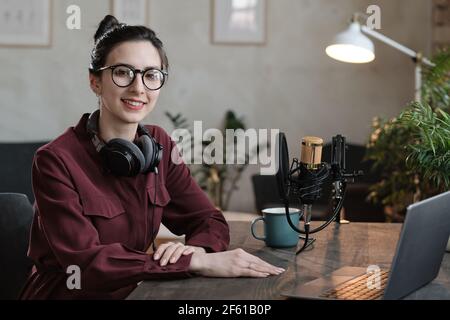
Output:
x,y
234,263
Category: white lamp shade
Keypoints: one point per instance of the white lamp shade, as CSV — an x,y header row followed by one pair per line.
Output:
x,y
351,46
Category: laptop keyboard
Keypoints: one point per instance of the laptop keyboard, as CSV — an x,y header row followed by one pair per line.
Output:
x,y
357,288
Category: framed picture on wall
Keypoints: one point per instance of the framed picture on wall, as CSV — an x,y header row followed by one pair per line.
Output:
x,y
238,21
133,12
25,23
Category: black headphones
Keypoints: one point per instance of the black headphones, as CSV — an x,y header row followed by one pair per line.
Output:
x,y
122,157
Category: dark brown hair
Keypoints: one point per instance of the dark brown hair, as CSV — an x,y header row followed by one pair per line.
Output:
x,y
110,33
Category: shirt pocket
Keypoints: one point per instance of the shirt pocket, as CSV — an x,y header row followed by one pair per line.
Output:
x,y
107,216
101,206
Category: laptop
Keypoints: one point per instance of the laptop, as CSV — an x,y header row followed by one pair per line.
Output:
x,y
417,260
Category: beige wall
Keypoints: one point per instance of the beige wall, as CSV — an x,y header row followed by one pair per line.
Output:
x,y
289,83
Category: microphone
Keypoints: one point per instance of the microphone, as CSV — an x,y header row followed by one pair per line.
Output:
x,y
311,172
305,178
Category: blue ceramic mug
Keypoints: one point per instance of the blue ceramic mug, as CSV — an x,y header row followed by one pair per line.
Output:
x,y
277,231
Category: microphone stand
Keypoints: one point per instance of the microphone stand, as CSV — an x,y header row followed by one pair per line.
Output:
x,y
337,194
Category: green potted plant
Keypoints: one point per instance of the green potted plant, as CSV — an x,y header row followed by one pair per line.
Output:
x,y
413,149
429,153
394,141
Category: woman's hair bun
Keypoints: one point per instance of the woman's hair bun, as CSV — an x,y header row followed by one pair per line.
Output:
x,y
111,32
109,22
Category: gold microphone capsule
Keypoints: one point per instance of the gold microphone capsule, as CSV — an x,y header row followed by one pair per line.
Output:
x,y
311,154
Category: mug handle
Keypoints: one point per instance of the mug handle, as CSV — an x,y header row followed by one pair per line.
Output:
x,y
253,229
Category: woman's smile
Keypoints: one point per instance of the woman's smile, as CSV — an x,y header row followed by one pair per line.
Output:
x,y
133,104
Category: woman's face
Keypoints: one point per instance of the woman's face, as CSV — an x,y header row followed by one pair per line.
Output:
x,y
127,104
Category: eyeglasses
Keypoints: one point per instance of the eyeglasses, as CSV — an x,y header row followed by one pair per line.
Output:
x,y
124,75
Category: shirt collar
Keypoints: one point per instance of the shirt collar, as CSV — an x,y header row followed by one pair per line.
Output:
x,y
85,139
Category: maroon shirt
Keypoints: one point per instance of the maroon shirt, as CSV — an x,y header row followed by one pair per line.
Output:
x,y
104,223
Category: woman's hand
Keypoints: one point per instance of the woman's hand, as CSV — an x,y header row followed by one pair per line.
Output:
x,y
170,252
234,263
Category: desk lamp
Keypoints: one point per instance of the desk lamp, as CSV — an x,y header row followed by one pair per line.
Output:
x,y
353,46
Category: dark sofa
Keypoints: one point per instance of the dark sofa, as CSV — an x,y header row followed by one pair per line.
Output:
x,y
15,167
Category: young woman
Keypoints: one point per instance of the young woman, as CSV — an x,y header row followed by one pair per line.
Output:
x,y
103,187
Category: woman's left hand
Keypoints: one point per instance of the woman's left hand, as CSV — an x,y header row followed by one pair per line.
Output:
x,y
170,252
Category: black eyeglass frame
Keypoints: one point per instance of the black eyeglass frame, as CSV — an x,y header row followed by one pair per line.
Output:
x,y
135,71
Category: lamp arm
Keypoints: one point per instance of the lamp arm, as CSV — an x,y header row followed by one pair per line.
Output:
x,y
388,41
427,62
396,45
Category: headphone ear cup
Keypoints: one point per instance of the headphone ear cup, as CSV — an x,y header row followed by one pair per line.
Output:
x,y
147,146
124,157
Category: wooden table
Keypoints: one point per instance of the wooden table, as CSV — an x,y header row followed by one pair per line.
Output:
x,y
354,244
